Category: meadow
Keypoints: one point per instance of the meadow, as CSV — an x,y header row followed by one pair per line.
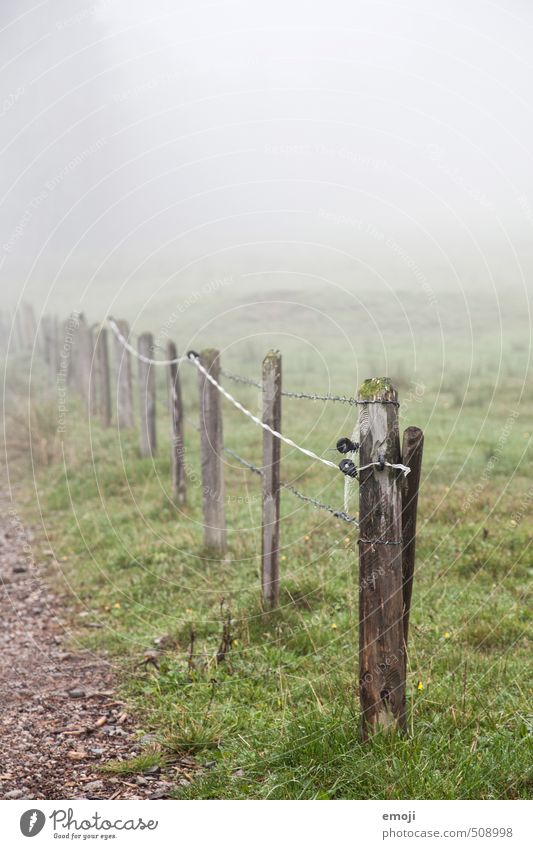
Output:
x,y
278,716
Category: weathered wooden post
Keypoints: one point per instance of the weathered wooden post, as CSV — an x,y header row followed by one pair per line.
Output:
x,y
104,385
147,394
123,379
177,457
94,386
271,479
381,635
44,337
412,448
67,351
211,441
83,346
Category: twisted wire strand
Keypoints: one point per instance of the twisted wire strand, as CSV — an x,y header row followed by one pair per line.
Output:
x,y
309,396
339,514
192,358
148,360
237,378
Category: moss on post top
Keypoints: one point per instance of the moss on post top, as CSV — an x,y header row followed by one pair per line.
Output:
x,y
377,387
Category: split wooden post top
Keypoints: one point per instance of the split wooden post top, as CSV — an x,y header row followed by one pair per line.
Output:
x,y
381,639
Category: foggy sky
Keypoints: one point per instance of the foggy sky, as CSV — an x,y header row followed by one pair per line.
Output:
x,y
147,145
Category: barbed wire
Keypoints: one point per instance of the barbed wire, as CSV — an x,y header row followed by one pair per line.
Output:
x,y
309,396
237,378
148,360
192,357
195,359
339,514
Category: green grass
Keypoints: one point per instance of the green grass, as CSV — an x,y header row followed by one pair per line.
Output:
x,y
279,718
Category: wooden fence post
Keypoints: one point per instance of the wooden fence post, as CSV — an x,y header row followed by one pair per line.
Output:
x,y
83,348
177,459
57,348
20,335
211,439
69,349
271,479
412,448
104,386
147,393
381,637
123,377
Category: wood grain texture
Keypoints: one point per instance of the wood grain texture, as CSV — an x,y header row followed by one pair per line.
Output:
x,y
211,441
147,398
381,644
412,449
94,377
271,479
177,457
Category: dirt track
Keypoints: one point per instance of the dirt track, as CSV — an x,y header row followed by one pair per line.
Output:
x,y
60,719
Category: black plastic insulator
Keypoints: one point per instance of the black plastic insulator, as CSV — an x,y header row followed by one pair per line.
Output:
x,y
381,461
345,444
348,468
193,355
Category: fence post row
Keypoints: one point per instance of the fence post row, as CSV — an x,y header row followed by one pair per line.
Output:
x,y
388,500
212,446
177,458
123,380
381,636
147,433
271,380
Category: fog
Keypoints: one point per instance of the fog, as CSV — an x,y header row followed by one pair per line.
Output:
x,y
149,147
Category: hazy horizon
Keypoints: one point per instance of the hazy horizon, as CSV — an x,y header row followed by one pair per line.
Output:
x,y
147,151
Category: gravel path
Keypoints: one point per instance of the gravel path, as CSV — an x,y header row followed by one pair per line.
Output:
x,y
60,719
